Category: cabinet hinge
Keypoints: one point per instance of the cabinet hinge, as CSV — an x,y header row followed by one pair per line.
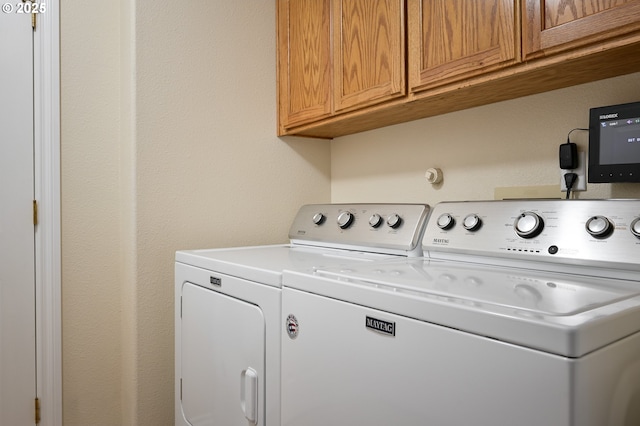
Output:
x,y
37,411
35,212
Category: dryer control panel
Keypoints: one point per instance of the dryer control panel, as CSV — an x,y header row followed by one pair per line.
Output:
x,y
602,233
378,228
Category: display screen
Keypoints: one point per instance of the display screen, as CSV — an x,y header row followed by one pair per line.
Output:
x,y
620,141
614,143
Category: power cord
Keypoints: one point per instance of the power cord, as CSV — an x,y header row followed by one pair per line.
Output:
x,y
570,180
573,130
569,161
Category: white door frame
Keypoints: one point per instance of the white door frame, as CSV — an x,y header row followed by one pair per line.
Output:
x,y
46,45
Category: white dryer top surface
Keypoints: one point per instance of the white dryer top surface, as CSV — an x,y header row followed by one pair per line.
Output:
x,y
264,264
564,314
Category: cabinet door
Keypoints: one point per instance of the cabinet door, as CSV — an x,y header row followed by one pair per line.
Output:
x,y
304,61
368,51
455,39
555,25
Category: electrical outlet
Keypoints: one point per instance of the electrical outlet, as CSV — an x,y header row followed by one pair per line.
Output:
x,y
581,171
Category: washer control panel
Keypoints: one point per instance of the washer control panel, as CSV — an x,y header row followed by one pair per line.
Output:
x,y
383,228
589,232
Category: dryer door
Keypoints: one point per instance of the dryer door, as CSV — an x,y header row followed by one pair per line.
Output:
x,y
222,360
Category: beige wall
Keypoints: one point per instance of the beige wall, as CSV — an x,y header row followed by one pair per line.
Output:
x,y
508,144
168,124
91,308
168,142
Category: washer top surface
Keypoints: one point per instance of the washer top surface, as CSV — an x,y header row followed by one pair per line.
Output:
x,y
323,235
559,313
264,264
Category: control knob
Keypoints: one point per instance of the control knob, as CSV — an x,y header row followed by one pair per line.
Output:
x,y
528,225
345,219
472,222
318,218
375,220
635,227
599,227
394,221
445,221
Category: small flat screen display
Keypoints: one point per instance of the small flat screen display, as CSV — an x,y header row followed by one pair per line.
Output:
x,y
614,143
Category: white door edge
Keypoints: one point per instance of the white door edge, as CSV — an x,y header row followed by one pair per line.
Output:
x,y
47,193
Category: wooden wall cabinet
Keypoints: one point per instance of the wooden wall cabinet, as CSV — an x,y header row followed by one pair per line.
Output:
x,y
337,55
456,39
304,61
369,65
343,66
553,26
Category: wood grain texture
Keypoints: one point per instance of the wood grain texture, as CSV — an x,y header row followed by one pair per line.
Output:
x,y
304,50
592,63
455,39
553,26
368,51
558,12
454,61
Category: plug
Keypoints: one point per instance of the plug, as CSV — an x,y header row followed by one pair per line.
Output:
x,y
570,180
581,170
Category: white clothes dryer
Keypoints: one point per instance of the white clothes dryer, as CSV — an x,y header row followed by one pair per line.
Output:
x,y
228,308
523,313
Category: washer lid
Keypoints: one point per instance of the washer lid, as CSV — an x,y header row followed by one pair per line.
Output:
x,y
564,314
264,264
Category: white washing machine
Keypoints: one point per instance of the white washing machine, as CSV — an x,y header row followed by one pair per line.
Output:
x,y
228,309
523,313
